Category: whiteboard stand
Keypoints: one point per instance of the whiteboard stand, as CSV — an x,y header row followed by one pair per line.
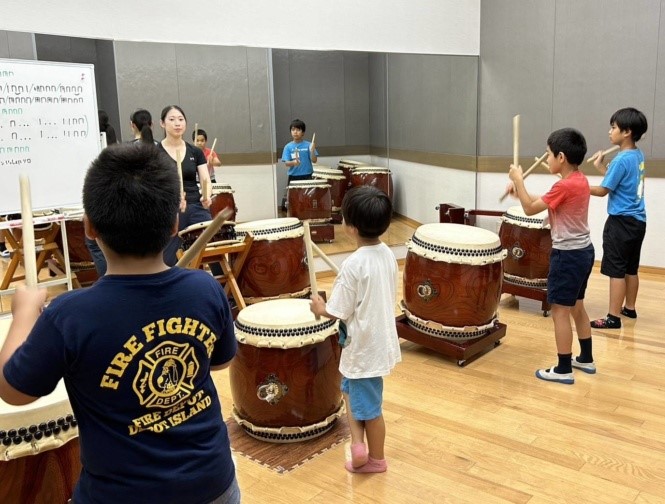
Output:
x,y
44,250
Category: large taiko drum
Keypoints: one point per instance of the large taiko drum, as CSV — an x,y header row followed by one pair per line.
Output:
x,y
285,380
338,184
529,243
191,233
222,197
276,265
80,259
374,176
452,280
347,166
39,457
310,200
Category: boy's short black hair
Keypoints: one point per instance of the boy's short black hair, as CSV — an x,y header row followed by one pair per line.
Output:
x,y
131,196
630,119
368,209
297,123
201,132
569,141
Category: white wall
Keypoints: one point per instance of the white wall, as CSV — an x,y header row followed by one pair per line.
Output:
x,y
492,185
414,26
254,188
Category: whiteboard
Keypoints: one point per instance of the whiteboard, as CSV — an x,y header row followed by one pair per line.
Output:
x,y
48,130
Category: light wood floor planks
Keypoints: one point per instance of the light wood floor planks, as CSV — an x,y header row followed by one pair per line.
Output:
x,y
491,432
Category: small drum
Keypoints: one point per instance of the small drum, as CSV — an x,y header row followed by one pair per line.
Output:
x,y
222,197
285,380
191,233
452,280
338,184
40,457
310,199
276,265
347,166
375,176
529,244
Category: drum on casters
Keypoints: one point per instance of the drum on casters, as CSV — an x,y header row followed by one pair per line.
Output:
x,y
338,184
40,457
191,233
222,197
276,265
285,380
529,243
375,176
452,280
310,200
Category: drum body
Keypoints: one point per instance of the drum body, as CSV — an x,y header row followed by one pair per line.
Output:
x,y
285,380
338,184
40,456
222,197
529,243
276,265
452,277
347,166
309,200
191,233
374,176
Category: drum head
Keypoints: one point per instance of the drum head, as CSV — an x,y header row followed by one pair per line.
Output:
x,y
305,184
282,322
272,229
194,227
218,188
457,243
515,215
370,169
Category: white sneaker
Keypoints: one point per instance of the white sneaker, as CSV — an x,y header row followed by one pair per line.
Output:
x,y
587,367
5,254
550,375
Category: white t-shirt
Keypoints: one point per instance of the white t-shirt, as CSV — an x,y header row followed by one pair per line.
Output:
x,y
363,296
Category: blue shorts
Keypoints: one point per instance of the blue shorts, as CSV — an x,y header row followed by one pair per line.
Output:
x,y
365,396
568,276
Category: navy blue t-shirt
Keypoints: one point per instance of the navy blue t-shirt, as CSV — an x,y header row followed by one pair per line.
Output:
x,y
135,353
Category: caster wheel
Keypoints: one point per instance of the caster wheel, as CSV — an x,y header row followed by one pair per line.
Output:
x,y
461,363
546,313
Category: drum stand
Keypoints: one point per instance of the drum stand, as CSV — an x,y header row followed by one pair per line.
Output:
x,y
463,351
322,232
539,294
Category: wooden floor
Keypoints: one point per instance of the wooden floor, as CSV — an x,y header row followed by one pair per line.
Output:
x,y
490,432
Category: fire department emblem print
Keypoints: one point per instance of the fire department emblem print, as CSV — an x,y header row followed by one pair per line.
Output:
x,y
166,375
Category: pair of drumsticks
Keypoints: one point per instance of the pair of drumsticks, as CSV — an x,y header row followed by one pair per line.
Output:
x,y
539,160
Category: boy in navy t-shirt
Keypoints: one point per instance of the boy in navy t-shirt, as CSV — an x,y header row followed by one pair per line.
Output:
x,y
135,349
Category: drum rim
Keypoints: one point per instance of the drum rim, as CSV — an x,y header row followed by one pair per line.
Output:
x,y
426,245
266,233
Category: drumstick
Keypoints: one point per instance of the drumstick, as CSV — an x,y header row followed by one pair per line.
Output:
x,y
323,256
196,132
314,138
605,153
516,140
29,255
179,162
204,238
526,174
543,164
212,149
310,260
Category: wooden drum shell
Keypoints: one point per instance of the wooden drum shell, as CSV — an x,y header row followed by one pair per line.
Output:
x,y
381,179
462,295
310,372
222,200
528,250
314,202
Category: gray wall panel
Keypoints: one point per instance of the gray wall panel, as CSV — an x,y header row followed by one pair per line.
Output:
x,y
615,68
432,103
516,69
281,77
259,100
657,124
146,74
356,98
378,111
17,45
107,96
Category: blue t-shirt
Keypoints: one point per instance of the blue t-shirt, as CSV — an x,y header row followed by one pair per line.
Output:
x,y
135,353
625,181
289,154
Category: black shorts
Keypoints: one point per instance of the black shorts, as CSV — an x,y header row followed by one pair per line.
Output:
x,y
622,245
568,276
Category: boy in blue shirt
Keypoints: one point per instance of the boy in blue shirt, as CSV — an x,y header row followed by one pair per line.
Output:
x,y
135,349
627,220
299,154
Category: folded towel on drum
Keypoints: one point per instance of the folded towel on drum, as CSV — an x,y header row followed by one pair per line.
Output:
x,y
284,457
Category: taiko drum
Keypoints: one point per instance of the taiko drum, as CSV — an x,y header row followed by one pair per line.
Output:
x,y
376,176
310,200
191,233
276,265
284,378
347,166
452,277
40,457
222,197
529,243
338,184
